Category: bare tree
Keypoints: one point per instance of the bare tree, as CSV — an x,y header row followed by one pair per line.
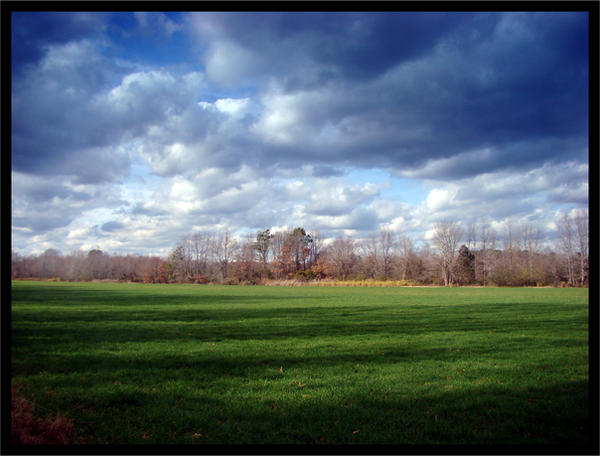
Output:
x,y
428,269
387,242
566,243
369,250
277,240
49,264
340,255
245,269
472,236
15,265
508,269
581,226
224,252
315,247
96,264
511,243
487,244
531,244
406,252
183,258
446,237
75,265
280,253
200,248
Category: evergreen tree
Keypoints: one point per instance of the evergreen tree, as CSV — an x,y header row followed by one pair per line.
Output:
x,y
261,246
465,266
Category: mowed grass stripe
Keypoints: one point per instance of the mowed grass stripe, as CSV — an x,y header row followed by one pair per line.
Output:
x,y
134,363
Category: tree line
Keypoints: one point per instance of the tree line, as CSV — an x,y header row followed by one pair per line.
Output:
x,y
455,255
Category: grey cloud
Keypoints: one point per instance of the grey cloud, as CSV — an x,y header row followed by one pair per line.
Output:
x,y
32,32
496,78
147,209
112,226
331,45
424,103
41,204
42,191
518,186
54,126
515,155
231,202
519,98
326,171
454,99
77,124
41,222
577,194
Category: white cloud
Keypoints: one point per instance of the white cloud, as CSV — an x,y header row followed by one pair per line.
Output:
x,y
280,119
182,190
429,234
389,209
336,196
438,199
79,233
396,225
235,108
232,106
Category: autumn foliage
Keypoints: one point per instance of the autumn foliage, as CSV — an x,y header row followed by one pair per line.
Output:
x,y
300,256
28,429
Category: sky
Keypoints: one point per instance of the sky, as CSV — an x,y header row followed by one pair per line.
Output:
x,y
132,130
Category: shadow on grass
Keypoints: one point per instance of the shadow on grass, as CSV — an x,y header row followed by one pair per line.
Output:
x,y
302,322
486,415
354,362
119,401
193,398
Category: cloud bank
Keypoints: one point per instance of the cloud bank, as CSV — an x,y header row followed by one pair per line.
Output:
x,y
131,130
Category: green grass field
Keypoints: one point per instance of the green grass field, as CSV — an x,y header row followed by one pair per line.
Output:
x,y
193,364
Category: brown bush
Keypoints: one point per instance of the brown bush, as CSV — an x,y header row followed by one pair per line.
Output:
x,y
200,279
27,429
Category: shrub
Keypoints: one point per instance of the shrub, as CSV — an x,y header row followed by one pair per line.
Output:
x,y
27,429
200,279
304,275
230,281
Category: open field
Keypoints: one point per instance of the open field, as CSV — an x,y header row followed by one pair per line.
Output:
x,y
192,364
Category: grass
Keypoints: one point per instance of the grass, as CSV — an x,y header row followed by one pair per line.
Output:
x,y
189,364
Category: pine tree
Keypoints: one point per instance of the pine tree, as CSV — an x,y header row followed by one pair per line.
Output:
x,y
465,266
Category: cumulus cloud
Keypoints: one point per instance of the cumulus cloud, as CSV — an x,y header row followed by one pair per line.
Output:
x,y
56,126
41,203
256,123
33,32
304,49
438,199
428,111
72,114
336,197
466,100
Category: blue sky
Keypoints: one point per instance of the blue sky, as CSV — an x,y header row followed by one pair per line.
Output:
x,y
131,130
